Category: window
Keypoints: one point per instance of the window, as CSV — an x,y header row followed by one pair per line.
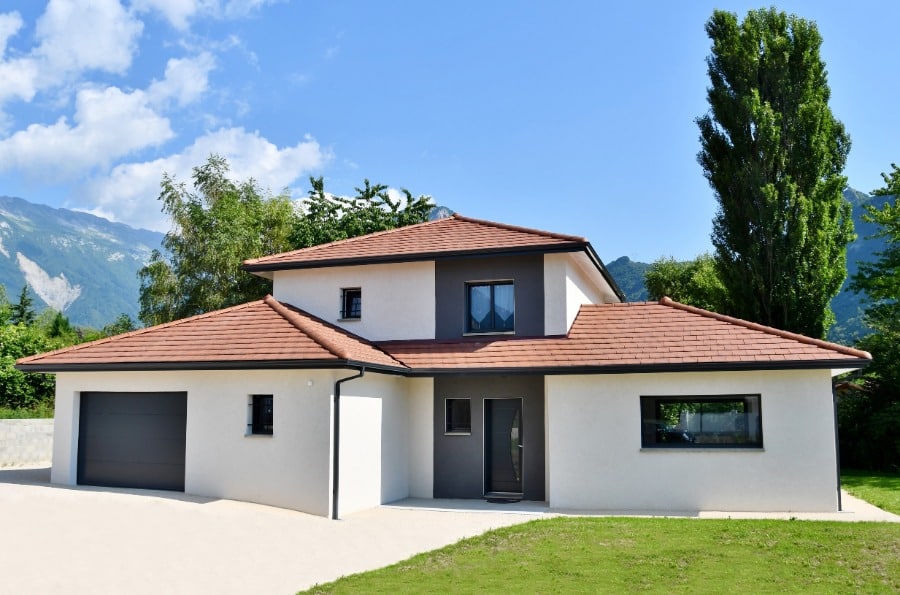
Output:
x,y
491,307
729,421
351,303
260,414
458,419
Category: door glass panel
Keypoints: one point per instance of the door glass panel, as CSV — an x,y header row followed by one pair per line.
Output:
x,y
514,444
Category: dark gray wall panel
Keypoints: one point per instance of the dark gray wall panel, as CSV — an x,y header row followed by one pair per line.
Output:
x,y
132,440
452,275
459,460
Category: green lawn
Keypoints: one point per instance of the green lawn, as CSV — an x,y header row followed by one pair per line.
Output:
x,y
880,489
618,555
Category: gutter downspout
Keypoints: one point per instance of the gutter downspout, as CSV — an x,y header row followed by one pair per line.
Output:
x,y
837,445
336,445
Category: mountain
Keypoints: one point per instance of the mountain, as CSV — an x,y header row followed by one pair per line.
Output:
x,y
629,276
75,263
848,307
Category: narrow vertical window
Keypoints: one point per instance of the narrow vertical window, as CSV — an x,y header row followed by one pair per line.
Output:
x,y
261,414
351,303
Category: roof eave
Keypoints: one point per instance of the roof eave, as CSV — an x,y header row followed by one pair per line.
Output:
x,y
643,368
49,368
422,256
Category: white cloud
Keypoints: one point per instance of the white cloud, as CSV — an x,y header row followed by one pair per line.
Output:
x,y
179,13
73,36
109,124
10,23
129,194
186,80
78,35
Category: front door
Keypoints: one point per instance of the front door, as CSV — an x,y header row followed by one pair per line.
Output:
x,y
503,446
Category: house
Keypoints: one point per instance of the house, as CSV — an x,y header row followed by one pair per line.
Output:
x,y
457,358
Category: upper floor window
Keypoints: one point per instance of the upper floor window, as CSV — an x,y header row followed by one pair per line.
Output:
x,y
491,307
701,422
351,303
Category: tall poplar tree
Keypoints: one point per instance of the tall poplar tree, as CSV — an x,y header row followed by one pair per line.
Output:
x,y
773,154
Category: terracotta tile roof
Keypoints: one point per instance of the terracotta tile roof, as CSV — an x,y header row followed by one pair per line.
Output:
x,y
625,337
264,333
634,337
453,235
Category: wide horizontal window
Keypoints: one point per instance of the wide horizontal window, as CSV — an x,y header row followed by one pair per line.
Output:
x,y
491,307
728,421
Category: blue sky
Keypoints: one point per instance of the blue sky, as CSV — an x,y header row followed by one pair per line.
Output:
x,y
576,117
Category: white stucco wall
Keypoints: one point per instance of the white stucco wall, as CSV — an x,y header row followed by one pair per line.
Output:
x,y
420,392
398,300
386,449
290,469
570,281
555,303
374,442
595,460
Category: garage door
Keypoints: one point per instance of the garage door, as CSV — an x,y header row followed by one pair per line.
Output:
x,y
133,440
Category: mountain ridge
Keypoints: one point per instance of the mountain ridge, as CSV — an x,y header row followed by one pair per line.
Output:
x,y
74,262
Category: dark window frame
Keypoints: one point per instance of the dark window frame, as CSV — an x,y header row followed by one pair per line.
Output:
x,y
351,303
262,415
462,407
659,431
493,328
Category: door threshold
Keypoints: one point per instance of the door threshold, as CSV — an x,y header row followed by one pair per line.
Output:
x,y
504,497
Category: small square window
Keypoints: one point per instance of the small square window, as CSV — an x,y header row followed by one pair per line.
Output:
x,y
261,417
458,416
351,303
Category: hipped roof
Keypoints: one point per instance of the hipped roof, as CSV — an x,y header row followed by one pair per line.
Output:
x,y
455,235
606,338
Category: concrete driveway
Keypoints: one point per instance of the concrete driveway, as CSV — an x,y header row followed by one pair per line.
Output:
x,y
56,539
97,540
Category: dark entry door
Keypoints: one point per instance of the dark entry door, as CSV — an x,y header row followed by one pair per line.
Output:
x,y
132,440
503,446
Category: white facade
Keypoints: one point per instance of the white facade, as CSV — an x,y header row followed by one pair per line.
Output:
x,y
595,460
571,281
386,433
397,299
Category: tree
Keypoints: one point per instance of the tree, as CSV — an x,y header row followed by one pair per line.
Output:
x,y
22,312
223,223
869,418
693,282
214,229
328,218
122,324
773,154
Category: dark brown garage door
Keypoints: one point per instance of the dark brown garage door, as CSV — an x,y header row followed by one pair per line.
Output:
x,y
133,440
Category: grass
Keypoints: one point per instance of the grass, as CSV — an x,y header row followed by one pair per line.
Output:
x,y
653,556
40,411
879,488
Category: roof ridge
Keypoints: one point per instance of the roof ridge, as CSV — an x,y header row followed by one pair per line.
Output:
x,y
252,261
302,325
135,332
519,228
667,301
300,320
